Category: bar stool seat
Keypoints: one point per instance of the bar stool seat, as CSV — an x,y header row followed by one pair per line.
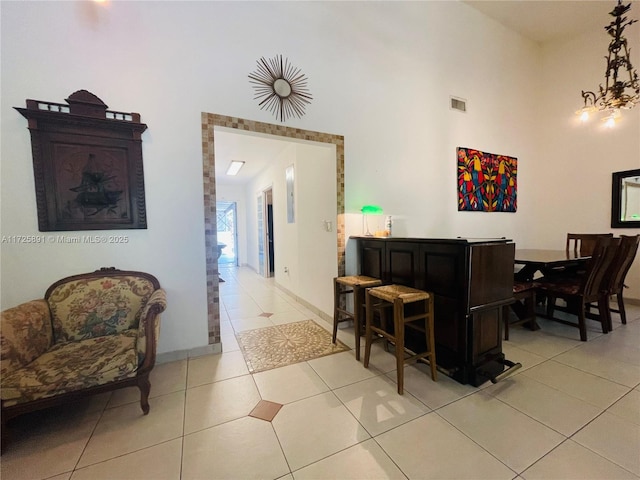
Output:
x,y
342,286
398,297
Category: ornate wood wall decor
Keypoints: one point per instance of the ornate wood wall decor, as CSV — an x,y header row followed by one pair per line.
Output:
x,y
87,163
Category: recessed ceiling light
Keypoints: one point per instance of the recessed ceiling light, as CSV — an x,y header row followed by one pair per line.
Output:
x,y
234,167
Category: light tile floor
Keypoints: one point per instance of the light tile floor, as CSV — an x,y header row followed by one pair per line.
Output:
x,y
571,412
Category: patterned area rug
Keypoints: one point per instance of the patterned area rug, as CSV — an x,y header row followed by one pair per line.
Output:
x,y
280,345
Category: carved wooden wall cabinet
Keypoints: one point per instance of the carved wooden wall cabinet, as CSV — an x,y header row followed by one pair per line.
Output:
x,y
87,163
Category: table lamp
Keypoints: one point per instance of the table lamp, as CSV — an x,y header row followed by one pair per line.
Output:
x,y
369,210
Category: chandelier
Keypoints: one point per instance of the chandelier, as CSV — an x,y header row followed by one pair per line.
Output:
x,y
622,87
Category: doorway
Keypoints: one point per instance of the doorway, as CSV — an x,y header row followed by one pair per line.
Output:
x,y
266,250
226,222
211,120
268,234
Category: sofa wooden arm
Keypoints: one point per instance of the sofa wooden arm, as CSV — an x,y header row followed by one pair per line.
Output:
x,y
149,329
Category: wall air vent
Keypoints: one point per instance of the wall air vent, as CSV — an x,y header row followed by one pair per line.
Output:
x,y
459,104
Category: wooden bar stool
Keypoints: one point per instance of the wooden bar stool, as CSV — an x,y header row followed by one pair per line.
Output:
x,y
398,297
342,286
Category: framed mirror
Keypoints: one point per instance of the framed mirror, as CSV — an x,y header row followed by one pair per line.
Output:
x,y
625,199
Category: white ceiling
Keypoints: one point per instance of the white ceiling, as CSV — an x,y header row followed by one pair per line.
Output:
x,y
252,148
540,21
546,20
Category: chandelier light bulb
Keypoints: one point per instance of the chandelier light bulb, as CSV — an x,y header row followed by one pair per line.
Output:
x,y
584,115
610,122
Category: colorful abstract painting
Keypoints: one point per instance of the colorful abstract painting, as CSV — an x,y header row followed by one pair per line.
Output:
x,y
486,182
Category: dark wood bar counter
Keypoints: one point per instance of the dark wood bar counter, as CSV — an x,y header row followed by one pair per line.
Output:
x,y
472,280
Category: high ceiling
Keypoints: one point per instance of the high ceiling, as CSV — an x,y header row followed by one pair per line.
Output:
x,y
546,20
540,21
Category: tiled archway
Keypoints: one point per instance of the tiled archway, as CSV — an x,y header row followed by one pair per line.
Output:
x,y
211,120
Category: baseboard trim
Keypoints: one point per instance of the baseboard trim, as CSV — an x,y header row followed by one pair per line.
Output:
x,y
303,302
166,357
632,301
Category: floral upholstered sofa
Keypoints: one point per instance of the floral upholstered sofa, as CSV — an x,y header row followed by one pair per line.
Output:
x,y
91,333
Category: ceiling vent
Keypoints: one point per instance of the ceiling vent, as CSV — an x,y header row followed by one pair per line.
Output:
x,y
459,104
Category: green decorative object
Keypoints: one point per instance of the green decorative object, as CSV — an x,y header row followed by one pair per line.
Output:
x,y
369,210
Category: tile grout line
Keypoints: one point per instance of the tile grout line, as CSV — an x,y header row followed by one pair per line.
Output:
x,y
474,441
184,417
590,449
93,430
565,438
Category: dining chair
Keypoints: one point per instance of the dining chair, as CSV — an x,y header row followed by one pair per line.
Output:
x,y
583,244
578,291
617,273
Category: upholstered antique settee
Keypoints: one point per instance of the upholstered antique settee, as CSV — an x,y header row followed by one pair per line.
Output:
x,y
91,333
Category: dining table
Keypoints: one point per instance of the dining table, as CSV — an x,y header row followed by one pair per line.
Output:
x,y
545,262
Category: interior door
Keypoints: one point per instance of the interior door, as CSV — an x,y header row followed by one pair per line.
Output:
x,y
270,244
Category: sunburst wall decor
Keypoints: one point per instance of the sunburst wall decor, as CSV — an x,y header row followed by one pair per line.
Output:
x,y
280,87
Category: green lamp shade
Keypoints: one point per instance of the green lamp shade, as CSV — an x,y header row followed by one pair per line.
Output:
x,y
372,210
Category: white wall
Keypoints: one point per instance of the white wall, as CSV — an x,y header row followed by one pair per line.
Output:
x,y
317,247
575,161
381,75
286,238
304,248
408,164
